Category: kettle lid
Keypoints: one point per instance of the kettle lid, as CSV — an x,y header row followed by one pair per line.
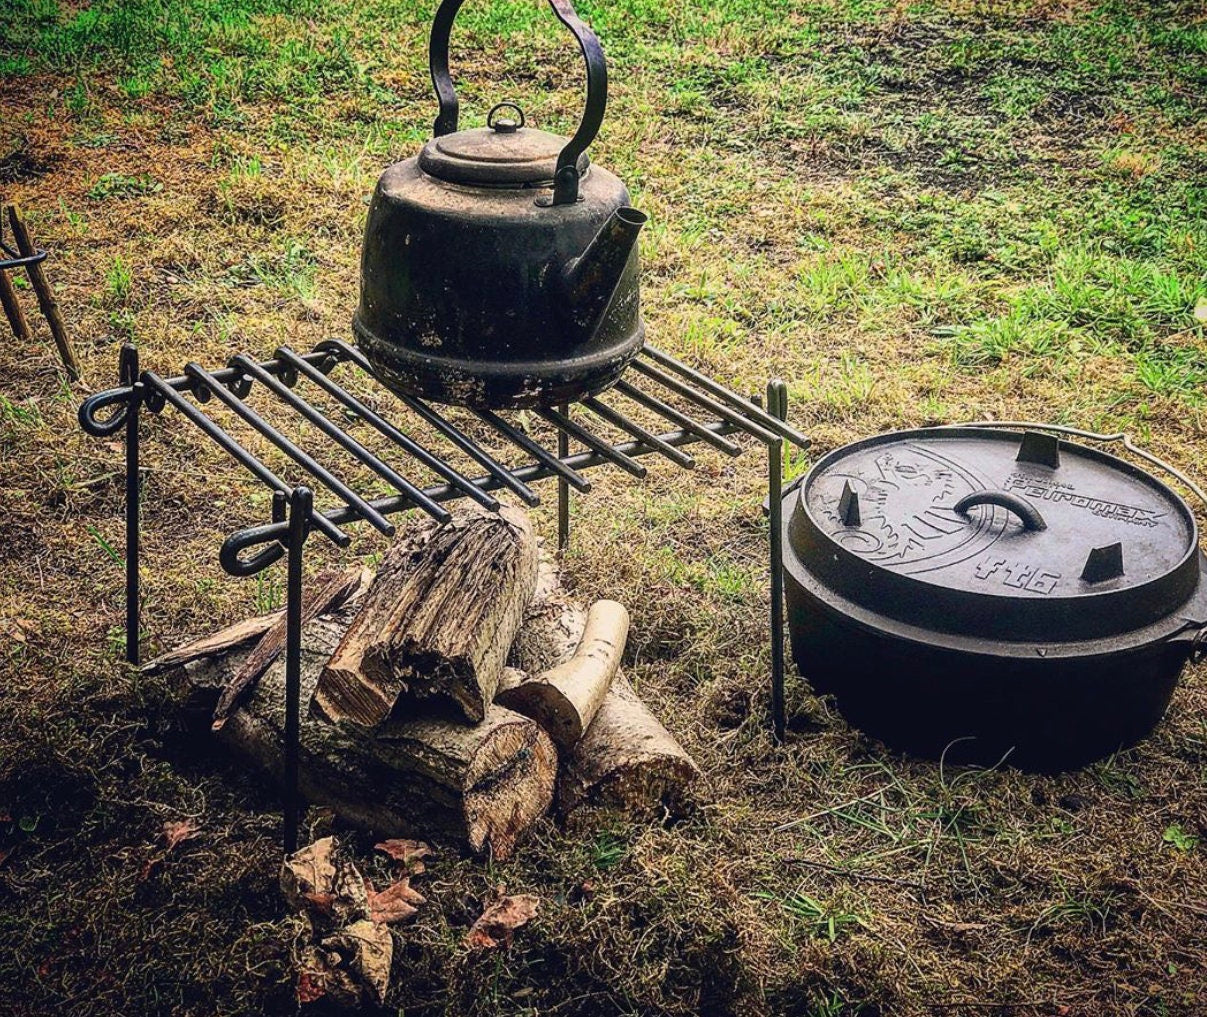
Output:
x,y
505,153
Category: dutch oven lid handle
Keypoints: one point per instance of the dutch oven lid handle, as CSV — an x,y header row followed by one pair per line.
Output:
x,y
565,183
1031,518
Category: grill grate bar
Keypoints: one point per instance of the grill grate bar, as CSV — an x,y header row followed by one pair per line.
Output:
x,y
383,426
681,420
706,402
597,445
755,413
619,420
341,437
535,449
237,451
445,427
209,385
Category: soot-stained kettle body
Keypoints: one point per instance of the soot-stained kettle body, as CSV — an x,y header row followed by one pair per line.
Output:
x,y
499,266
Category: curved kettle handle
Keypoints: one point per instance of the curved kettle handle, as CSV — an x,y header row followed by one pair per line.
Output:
x,y
565,183
1031,519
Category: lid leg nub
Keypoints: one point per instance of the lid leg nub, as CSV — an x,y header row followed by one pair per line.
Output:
x,y
1103,563
848,506
1040,448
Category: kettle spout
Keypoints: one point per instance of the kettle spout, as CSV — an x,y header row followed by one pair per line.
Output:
x,y
592,277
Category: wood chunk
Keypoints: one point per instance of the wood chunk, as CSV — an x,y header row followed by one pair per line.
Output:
x,y
485,784
330,590
437,623
565,698
553,625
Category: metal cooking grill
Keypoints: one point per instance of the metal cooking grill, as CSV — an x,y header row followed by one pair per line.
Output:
x,y
649,382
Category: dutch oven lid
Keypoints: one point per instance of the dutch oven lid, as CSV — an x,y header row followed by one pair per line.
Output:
x,y
505,153
996,534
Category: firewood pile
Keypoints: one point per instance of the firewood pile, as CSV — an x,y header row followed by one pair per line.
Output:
x,y
457,691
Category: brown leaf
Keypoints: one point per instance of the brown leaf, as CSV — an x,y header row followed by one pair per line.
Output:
x,y
500,920
324,902
395,903
310,987
409,852
175,832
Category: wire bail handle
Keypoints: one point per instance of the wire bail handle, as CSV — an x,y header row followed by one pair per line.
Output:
x,y
566,176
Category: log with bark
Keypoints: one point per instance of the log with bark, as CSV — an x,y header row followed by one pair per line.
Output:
x,y
436,626
484,784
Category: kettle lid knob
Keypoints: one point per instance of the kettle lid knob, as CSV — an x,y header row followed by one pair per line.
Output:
x,y
504,125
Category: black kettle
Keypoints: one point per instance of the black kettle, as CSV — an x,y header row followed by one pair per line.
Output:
x,y
500,266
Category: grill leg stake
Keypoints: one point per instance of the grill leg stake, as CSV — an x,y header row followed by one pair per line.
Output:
x,y
777,405
301,503
128,368
563,488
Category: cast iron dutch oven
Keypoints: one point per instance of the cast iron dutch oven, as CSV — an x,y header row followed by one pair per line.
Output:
x,y
499,266
992,593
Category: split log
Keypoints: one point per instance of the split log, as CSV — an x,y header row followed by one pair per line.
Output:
x,y
437,622
626,759
329,591
216,644
565,698
484,784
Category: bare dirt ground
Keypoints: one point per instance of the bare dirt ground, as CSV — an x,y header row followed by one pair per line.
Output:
x,y
911,212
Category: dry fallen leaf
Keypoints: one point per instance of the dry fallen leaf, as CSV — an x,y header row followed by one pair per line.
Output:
x,y
409,852
175,832
500,920
310,987
395,903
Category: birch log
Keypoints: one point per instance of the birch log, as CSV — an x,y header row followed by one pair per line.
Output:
x,y
565,698
436,625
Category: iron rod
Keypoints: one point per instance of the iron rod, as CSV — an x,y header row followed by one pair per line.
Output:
x,y
777,402
343,439
667,411
535,449
303,459
449,430
767,420
619,420
237,451
613,455
708,403
563,488
383,426
128,369
301,505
